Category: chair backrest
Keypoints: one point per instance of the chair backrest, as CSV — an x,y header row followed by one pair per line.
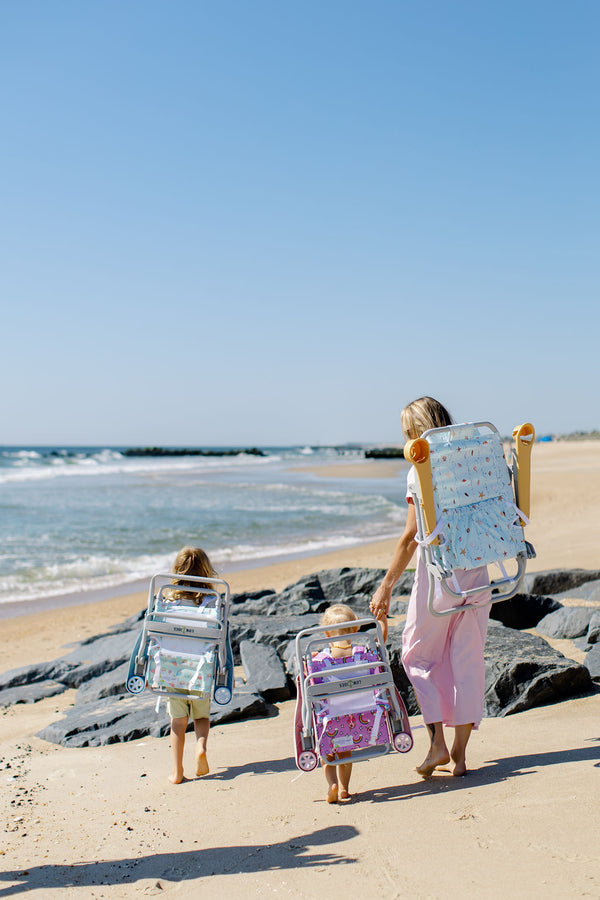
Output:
x,y
477,520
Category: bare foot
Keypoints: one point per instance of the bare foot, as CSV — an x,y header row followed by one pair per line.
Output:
x,y
344,796
176,777
460,768
431,762
201,764
332,796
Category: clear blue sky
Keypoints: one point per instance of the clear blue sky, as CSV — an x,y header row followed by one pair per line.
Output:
x,y
278,222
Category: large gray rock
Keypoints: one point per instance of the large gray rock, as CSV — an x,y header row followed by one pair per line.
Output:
x,y
108,721
314,593
590,590
245,704
31,693
523,610
109,684
265,672
523,671
29,674
276,631
566,623
556,581
86,661
118,719
592,662
593,635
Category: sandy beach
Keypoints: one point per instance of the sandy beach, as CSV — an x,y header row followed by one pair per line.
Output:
x,y
105,822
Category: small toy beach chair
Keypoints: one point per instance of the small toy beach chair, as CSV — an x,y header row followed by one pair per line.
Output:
x,y
184,647
472,507
346,705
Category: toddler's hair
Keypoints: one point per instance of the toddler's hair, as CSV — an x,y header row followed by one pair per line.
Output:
x,y
192,561
338,615
423,414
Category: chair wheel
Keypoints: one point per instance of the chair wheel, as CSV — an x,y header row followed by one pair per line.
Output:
x,y
222,695
307,760
403,742
135,684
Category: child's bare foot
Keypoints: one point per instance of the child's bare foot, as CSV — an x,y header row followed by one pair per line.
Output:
x,y
201,764
344,796
176,777
332,795
433,759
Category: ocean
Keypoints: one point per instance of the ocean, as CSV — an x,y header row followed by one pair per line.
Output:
x,y
80,519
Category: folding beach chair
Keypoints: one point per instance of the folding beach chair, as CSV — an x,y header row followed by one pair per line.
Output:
x,y
349,704
472,507
184,647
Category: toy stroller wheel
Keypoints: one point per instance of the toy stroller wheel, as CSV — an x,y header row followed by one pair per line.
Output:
x,y
403,742
135,684
222,695
307,760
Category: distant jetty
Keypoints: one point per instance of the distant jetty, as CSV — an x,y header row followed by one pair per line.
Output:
x,y
385,453
190,451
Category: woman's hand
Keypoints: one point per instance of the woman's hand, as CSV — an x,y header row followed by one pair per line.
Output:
x,y
380,604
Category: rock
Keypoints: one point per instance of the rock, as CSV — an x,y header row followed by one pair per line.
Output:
x,y
555,581
567,622
523,671
244,705
314,593
592,662
31,693
523,610
306,595
265,672
28,674
87,661
109,684
593,635
590,590
254,603
115,720
242,598
276,631
109,721
290,661
582,644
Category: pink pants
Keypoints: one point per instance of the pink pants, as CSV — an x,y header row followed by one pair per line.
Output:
x,y
443,657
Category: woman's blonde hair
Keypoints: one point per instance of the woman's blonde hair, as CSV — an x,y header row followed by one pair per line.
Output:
x,y
338,615
192,561
423,414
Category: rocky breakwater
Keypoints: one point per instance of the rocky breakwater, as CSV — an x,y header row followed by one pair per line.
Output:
x,y
522,669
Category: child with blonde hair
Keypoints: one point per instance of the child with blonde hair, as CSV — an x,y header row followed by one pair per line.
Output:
x,y
338,775
189,561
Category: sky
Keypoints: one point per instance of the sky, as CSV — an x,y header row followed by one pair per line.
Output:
x,y
277,222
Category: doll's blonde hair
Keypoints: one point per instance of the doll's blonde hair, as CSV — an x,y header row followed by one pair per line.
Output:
x,y
338,614
423,414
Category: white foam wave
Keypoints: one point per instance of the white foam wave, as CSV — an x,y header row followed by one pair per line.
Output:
x,y
99,464
102,572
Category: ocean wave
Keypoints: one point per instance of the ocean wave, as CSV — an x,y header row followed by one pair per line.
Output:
x,y
114,463
103,572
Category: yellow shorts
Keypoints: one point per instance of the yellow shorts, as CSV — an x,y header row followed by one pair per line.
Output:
x,y
184,707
